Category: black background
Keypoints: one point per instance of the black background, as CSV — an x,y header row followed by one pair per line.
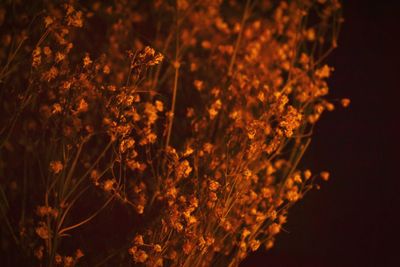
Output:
x,y
351,220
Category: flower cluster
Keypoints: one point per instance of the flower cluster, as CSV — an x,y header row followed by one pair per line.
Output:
x,y
189,117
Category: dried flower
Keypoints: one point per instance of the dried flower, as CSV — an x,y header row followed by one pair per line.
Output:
x,y
345,102
56,167
43,232
202,151
48,21
87,61
36,57
79,254
325,175
213,185
108,185
274,228
39,252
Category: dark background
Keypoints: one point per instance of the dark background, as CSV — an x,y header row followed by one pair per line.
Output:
x,y
351,220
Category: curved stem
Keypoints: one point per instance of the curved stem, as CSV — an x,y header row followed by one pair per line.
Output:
x,y
86,220
175,89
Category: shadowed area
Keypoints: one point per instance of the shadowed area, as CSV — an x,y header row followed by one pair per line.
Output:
x,y
350,221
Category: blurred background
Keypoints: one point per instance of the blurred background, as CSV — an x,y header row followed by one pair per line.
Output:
x,y
351,220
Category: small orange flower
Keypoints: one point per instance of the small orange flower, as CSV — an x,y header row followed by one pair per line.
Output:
x,y
79,254
325,175
254,244
43,232
274,229
138,240
87,61
213,185
56,166
345,102
48,21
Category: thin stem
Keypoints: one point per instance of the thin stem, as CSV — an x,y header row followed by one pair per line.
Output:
x,y
4,206
239,38
72,169
295,161
86,220
175,89
79,181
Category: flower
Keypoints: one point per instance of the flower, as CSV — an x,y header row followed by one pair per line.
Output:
x,y
79,254
140,256
108,185
213,185
254,244
82,106
48,21
36,57
56,166
38,252
87,61
274,228
157,248
126,144
325,175
323,72
199,85
68,261
345,102
43,210
159,106
59,57
138,240
184,169
42,231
